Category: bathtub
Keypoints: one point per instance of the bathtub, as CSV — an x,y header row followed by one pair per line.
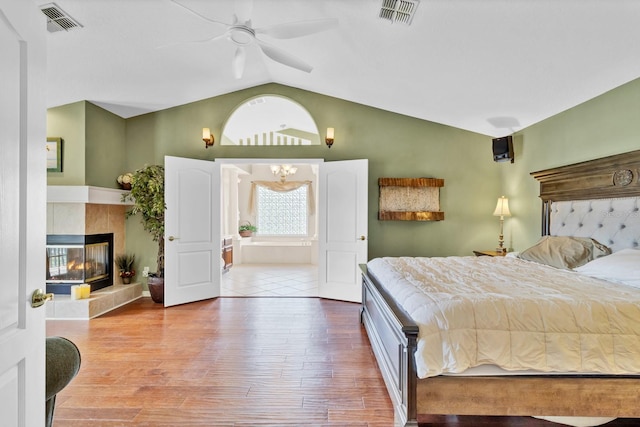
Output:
x,y
278,251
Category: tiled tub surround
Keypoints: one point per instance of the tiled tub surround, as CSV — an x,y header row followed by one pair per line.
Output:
x,y
253,250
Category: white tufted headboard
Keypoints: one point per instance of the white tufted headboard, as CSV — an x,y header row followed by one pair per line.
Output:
x,y
612,222
598,198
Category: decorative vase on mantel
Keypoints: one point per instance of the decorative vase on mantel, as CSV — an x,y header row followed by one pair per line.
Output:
x,y
124,180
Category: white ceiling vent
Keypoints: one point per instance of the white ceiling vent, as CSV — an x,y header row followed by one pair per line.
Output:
x,y
58,19
398,10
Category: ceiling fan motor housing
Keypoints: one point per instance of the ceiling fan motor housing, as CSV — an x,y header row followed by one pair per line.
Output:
x,y
241,35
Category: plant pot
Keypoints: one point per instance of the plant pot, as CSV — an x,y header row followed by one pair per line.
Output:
x,y
156,288
246,233
126,280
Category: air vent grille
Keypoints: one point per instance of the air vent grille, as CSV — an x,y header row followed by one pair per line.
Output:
x,y
398,10
58,19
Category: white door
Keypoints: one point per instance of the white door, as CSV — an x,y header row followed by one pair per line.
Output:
x,y
193,248
22,212
342,228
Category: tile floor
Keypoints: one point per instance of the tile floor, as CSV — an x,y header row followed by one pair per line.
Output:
x,y
270,280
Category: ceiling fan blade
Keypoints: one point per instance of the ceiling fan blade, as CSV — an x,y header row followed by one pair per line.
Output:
x,y
243,9
283,57
298,29
238,62
208,39
199,15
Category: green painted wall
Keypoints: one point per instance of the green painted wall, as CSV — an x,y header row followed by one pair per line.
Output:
x,y
396,146
68,122
606,125
105,147
94,145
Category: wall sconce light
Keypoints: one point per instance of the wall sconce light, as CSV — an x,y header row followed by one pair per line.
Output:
x,y
207,137
502,210
329,139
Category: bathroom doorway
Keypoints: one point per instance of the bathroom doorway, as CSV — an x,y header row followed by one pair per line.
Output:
x,y
280,258
202,210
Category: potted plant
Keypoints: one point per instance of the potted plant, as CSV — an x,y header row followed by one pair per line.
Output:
x,y
147,195
125,266
247,229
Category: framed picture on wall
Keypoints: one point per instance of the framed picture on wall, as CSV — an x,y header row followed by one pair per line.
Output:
x,y
54,154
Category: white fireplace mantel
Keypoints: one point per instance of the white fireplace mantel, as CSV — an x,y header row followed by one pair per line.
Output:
x,y
85,194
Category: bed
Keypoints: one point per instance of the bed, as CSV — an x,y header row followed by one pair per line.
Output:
x,y
596,200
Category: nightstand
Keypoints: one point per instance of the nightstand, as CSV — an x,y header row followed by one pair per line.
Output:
x,y
489,253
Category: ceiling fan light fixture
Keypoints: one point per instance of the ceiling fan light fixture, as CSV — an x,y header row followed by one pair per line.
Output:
x,y
241,35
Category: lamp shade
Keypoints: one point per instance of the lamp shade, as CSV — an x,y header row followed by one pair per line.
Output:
x,y
502,208
330,132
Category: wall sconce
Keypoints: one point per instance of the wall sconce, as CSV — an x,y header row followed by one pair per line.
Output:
x,y
329,139
207,137
502,210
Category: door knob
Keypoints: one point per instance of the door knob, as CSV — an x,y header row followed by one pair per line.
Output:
x,y
363,238
171,238
38,298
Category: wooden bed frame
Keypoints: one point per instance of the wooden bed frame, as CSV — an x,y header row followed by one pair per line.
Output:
x,y
393,334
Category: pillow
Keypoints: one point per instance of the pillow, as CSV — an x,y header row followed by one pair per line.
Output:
x,y
622,266
564,252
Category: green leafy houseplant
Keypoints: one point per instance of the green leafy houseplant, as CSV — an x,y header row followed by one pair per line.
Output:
x,y
147,195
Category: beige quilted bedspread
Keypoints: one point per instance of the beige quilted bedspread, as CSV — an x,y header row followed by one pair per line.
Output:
x,y
515,314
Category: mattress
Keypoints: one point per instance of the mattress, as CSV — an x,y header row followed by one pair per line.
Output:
x,y
514,314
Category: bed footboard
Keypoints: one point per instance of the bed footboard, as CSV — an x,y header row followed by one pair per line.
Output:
x,y
393,336
393,339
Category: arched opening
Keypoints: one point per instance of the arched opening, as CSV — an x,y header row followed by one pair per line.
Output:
x,y
270,120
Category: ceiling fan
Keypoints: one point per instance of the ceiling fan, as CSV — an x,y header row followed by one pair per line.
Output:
x,y
242,34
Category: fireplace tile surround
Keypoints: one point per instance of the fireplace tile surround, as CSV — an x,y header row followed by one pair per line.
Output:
x,y
100,302
86,210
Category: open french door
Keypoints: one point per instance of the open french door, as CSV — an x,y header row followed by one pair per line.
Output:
x,y
22,212
343,225
193,268
192,230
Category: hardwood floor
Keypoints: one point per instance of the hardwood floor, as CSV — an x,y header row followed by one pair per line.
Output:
x,y
232,362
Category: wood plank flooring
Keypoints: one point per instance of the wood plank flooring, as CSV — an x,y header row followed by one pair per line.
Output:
x,y
232,362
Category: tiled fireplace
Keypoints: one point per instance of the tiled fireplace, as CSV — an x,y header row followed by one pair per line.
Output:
x,y
79,220
85,211
76,259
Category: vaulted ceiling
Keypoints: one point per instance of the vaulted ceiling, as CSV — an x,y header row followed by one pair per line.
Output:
x,y
488,66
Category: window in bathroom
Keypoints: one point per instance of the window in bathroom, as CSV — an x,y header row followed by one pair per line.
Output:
x,y
282,213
